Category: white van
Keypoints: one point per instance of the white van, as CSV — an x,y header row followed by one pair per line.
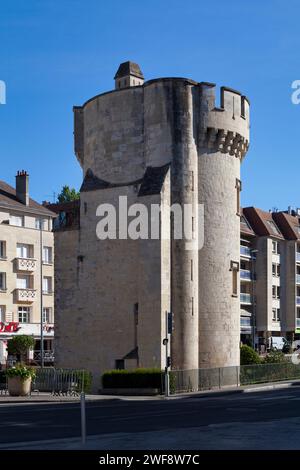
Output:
x,y
276,342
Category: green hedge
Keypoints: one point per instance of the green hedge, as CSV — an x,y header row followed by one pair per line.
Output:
x,y
85,377
135,378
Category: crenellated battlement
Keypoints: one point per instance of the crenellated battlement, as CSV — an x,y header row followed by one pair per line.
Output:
x,y
224,128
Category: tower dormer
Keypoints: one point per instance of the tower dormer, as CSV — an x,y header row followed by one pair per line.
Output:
x,y
128,74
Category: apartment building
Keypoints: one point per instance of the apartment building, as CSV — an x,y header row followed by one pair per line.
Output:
x,y
268,245
247,276
26,268
289,223
269,276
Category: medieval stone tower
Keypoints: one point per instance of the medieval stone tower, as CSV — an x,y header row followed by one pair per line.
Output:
x,y
164,141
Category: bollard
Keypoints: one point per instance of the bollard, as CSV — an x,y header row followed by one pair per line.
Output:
x,y
83,419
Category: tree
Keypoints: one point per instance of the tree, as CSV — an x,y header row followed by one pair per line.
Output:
x,y
20,345
249,356
68,194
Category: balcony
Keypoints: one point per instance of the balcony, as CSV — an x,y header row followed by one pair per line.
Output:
x,y
25,295
245,275
245,251
25,264
297,300
297,257
245,322
297,278
245,298
297,322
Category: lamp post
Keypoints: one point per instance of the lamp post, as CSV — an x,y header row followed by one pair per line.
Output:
x,y
41,294
253,258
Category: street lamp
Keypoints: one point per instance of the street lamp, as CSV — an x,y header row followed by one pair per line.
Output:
x,y
41,294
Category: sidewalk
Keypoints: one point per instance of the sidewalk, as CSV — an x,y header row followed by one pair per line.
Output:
x,y
48,398
242,389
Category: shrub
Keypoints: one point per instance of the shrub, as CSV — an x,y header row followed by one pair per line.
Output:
x,y
84,381
249,356
275,357
135,378
21,371
20,345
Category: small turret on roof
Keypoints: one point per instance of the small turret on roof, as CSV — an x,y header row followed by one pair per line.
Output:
x,y
128,74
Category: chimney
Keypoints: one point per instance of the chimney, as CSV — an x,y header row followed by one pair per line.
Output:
x,y
22,187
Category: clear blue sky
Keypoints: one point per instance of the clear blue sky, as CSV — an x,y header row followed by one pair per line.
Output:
x,y
58,53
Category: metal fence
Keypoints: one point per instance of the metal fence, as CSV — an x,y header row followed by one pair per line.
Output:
x,y
58,382
196,380
182,381
261,373
66,382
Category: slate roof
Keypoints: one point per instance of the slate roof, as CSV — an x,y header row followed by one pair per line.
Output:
x,y
246,228
262,222
8,200
91,182
153,180
289,225
129,68
150,184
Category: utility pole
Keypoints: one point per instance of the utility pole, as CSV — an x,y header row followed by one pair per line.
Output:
x,y
166,341
41,293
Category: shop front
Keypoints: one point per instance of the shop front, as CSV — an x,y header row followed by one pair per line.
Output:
x,y
11,329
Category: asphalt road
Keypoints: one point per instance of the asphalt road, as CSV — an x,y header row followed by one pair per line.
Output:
x,y
248,420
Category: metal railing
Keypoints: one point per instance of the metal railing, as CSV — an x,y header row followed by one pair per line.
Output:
x,y
245,321
48,356
260,373
297,278
297,322
184,381
58,382
297,256
245,298
245,274
66,382
245,251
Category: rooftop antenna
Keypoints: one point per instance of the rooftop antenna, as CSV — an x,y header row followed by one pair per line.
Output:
x,y
53,196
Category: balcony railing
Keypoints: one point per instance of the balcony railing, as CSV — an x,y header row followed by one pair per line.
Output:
x,y
298,300
26,295
245,275
297,322
25,264
245,251
245,322
297,278
297,256
245,298
48,355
